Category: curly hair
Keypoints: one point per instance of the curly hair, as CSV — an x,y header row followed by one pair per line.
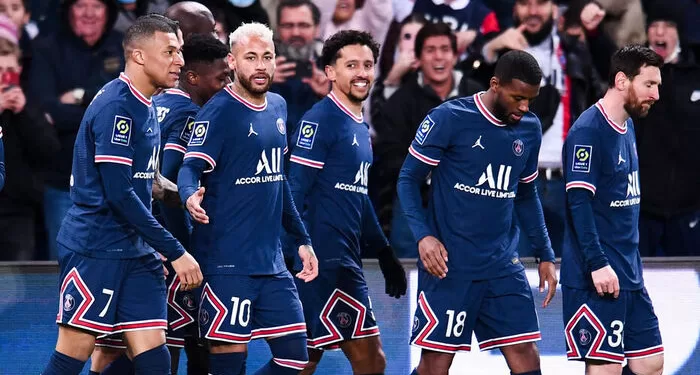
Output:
x,y
333,45
203,48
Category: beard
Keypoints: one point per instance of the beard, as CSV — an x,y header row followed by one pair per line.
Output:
x,y
634,107
247,83
501,112
538,37
358,98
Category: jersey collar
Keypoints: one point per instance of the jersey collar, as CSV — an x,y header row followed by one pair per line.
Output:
x,y
141,97
345,109
485,111
177,92
254,107
622,129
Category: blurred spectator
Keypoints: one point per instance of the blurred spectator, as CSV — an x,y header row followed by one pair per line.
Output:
x,y
467,18
624,21
193,18
130,10
18,12
688,11
397,121
398,56
297,77
570,84
68,69
667,142
30,143
373,16
231,13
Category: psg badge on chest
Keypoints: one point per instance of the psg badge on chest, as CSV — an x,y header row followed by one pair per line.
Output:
x,y
518,147
280,126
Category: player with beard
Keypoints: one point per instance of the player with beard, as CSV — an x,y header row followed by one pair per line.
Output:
x,y
605,301
328,175
481,153
239,140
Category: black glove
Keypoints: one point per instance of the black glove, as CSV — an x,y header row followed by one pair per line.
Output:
x,y
394,274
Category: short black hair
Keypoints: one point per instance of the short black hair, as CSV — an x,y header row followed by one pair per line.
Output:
x,y
333,45
147,26
203,48
518,65
434,29
315,12
630,59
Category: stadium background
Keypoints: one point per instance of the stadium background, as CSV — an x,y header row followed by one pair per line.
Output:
x,y
28,305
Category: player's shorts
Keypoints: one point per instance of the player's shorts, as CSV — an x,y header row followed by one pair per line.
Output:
x,y
608,329
500,312
337,308
238,308
106,296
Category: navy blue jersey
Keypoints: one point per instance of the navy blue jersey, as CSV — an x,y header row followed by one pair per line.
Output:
x,y
331,139
601,157
478,163
244,146
176,113
120,127
461,15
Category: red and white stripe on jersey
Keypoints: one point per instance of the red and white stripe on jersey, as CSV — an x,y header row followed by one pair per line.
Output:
x,y
485,111
279,330
306,162
176,92
175,342
185,317
421,339
530,178
580,184
622,129
334,334
254,107
140,325
175,147
643,353
78,319
214,332
111,342
345,109
141,97
594,352
510,340
423,158
286,150
291,363
203,156
113,159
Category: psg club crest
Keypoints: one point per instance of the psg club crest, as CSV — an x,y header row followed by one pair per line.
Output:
x,y
68,302
280,126
203,317
344,319
518,147
415,323
584,337
188,301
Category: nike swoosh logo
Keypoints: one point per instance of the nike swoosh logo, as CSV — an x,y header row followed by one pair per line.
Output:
x,y
695,96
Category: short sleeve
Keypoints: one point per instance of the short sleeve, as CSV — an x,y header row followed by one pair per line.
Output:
x,y
432,137
180,133
208,135
113,131
530,173
312,141
582,156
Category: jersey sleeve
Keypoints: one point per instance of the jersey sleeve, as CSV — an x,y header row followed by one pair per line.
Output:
x,y
432,137
530,173
180,133
312,141
208,135
581,156
113,132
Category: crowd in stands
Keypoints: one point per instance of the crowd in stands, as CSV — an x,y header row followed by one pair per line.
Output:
x,y
55,55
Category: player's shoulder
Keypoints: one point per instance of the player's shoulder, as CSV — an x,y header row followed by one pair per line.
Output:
x,y
275,100
591,120
458,110
324,114
219,103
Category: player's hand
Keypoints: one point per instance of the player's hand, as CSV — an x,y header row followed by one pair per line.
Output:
x,y
548,274
187,269
283,70
166,191
605,281
310,263
194,206
165,269
433,255
394,274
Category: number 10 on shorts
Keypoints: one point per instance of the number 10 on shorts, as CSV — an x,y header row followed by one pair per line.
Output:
x,y
240,312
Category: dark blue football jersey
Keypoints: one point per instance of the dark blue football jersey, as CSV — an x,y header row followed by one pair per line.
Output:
x,y
244,146
333,140
460,15
479,162
601,157
119,126
176,113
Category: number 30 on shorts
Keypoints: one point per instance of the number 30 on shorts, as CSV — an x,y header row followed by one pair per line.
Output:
x,y
240,312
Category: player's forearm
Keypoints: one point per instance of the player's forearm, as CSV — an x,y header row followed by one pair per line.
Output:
x,y
291,221
121,197
579,203
372,233
188,177
176,223
172,160
529,210
411,177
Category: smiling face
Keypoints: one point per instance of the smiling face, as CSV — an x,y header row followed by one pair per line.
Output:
x,y
437,59
353,72
663,38
88,19
344,10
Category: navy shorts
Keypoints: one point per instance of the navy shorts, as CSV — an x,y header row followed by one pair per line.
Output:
x,y
499,312
106,296
238,308
337,308
608,329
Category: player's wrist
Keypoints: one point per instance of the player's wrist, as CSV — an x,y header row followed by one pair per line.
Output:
x,y
597,263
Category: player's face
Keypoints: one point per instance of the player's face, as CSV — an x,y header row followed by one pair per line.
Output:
x,y
643,91
253,61
163,59
437,59
534,14
212,78
353,72
513,99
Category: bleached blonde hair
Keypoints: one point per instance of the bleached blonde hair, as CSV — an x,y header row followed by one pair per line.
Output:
x,y
250,30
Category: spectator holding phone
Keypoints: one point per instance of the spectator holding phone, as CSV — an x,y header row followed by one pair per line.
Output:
x,y
30,142
297,78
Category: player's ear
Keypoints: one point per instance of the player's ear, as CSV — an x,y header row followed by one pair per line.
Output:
x,y
192,77
231,60
621,81
330,73
493,83
138,56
